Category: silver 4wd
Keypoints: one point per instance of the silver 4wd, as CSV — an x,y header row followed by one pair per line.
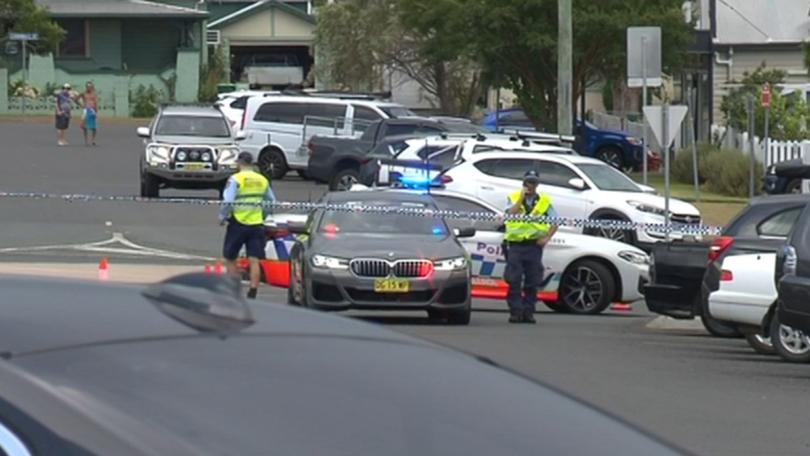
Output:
x,y
187,147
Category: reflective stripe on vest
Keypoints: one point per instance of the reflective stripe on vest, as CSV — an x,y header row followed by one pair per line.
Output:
x,y
519,231
252,189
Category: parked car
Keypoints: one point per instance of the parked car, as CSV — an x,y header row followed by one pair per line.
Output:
x,y
273,70
277,126
187,147
620,149
615,271
685,274
786,177
187,367
792,310
337,160
233,104
580,188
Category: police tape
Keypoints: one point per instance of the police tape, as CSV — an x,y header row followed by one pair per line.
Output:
x,y
686,229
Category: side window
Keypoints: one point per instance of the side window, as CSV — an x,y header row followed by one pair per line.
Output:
x,y
396,130
426,129
326,115
364,117
290,113
487,166
239,103
509,168
445,158
779,224
554,173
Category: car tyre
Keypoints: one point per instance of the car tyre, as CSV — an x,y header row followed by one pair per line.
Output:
x,y
150,187
790,344
715,327
556,306
613,156
459,317
587,287
615,234
291,298
794,186
272,164
344,179
760,343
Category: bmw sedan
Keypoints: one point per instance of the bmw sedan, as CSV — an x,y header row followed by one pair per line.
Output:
x,y
362,260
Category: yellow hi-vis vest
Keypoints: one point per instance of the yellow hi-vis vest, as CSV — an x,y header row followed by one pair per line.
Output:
x,y
519,231
252,189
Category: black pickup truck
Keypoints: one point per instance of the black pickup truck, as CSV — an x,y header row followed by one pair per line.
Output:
x,y
786,177
683,274
337,160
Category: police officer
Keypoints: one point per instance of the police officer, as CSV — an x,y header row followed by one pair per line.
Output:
x,y
245,221
525,242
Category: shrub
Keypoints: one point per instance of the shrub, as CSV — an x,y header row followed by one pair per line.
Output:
x,y
682,163
727,173
145,101
211,75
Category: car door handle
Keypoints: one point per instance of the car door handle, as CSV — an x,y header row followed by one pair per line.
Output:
x,y
487,187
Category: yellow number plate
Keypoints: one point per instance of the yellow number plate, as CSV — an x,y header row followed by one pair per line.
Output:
x,y
391,286
195,166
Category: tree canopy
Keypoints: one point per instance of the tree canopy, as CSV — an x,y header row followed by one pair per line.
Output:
x,y
26,16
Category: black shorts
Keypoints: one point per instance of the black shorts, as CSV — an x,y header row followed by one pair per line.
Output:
x,y
62,122
252,237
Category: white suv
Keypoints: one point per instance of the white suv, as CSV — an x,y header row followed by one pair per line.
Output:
x,y
277,126
580,188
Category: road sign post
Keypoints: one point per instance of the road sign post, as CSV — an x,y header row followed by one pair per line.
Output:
x,y
752,158
24,38
766,103
665,122
644,70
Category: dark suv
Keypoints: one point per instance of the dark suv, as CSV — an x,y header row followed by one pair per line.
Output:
x,y
793,281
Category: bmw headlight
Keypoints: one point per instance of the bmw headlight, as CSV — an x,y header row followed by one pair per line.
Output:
x,y
227,155
634,257
644,207
327,262
158,154
452,264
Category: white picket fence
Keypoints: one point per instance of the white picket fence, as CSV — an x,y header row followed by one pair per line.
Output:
x,y
777,151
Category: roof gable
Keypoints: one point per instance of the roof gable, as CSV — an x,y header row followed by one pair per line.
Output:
x,y
762,21
258,7
117,8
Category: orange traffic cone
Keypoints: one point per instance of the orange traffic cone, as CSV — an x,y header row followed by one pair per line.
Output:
x,y
104,269
219,268
208,268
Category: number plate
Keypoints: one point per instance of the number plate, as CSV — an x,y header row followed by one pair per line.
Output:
x,y
391,286
194,167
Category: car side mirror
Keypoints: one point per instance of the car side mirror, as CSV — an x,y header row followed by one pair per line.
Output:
x,y
466,232
143,132
577,183
241,135
297,228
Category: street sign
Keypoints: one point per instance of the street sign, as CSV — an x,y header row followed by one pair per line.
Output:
x,y
766,95
23,36
655,118
644,56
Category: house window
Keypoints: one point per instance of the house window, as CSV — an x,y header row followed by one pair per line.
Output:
x,y
75,43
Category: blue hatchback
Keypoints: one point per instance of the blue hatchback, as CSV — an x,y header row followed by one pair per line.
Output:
x,y
618,148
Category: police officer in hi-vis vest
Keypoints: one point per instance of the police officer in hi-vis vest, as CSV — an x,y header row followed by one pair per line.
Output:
x,y
525,242
245,221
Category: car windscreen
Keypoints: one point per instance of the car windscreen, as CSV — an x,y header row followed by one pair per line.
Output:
x,y
607,178
396,112
212,127
356,222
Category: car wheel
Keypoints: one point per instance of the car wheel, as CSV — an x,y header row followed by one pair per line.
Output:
x,y
616,234
344,179
612,156
587,287
296,291
150,187
791,344
760,343
715,327
794,186
557,306
272,164
459,317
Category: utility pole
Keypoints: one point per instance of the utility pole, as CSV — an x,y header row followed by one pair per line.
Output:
x,y
564,68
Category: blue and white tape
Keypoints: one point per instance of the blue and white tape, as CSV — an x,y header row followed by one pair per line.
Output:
x,y
301,206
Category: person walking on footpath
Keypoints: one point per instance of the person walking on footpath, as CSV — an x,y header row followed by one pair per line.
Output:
x,y
64,101
525,242
89,100
245,221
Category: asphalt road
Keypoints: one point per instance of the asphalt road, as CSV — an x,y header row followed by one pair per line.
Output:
x,y
711,396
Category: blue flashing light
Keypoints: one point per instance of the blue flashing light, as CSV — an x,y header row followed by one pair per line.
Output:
x,y
438,231
418,182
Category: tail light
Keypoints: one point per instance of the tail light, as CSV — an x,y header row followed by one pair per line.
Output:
x,y
726,276
244,115
445,179
719,246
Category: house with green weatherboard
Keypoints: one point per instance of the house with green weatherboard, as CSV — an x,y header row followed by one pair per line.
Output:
x,y
119,45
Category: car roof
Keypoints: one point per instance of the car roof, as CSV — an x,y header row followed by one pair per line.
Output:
x,y
377,195
272,98
573,159
449,193
781,199
180,110
362,387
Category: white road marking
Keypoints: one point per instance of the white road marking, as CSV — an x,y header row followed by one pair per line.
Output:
x,y
108,246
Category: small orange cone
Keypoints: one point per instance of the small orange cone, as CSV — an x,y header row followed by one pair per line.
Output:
x,y
621,307
208,269
104,269
219,268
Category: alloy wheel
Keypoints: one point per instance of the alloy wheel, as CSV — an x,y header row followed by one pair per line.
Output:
x,y
794,341
582,289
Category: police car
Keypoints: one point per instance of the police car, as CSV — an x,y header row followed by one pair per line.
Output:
x,y
583,274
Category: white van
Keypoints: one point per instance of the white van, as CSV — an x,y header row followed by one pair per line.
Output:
x,y
277,126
